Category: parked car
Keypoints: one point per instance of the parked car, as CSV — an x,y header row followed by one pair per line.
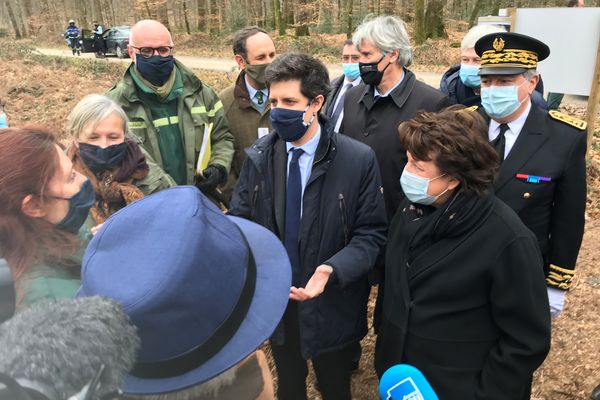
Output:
x,y
116,40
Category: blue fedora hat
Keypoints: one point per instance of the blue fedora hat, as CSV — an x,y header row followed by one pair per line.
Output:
x,y
204,290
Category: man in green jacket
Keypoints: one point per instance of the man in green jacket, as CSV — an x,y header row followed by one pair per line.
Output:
x,y
246,102
179,121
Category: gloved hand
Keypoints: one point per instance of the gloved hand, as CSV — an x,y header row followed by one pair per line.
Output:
x,y
556,298
213,176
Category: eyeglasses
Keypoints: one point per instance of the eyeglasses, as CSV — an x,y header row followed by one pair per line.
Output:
x,y
347,59
147,52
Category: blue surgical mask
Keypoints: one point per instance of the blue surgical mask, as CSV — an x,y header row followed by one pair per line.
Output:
x,y
415,188
352,71
3,120
289,124
79,207
501,101
469,75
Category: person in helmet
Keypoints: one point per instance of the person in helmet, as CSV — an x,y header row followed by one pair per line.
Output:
x,y
72,36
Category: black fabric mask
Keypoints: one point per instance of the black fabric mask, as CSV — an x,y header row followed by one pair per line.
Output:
x,y
370,74
79,207
289,124
155,69
98,159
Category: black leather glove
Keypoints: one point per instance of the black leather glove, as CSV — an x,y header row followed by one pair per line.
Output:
x,y
213,176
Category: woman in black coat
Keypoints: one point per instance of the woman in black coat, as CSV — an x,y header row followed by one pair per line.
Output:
x,y
465,299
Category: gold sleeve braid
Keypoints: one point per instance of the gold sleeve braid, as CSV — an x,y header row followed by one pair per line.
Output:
x,y
560,278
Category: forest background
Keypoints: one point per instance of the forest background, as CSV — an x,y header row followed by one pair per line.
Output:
x,y
42,89
429,18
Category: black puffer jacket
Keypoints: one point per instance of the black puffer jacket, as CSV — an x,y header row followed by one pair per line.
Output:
x,y
343,225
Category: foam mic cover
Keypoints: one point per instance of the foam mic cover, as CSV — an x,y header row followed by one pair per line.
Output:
x,y
405,382
58,347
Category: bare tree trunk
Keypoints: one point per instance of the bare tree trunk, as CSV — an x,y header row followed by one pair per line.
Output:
x,y
496,7
434,20
279,22
474,13
419,24
349,28
388,6
26,14
185,18
371,6
162,12
13,21
201,15
301,18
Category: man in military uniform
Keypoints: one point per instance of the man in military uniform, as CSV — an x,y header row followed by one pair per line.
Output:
x,y
542,174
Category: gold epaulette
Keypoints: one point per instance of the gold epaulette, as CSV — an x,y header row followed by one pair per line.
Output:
x,y
472,108
567,119
560,278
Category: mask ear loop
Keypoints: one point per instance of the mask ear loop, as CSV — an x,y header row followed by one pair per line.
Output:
x,y
528,95
312,118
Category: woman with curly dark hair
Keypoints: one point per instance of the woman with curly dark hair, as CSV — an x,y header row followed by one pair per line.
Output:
x,y
43,203
464,295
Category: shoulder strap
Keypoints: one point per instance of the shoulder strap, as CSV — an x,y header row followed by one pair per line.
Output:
x,y
567,119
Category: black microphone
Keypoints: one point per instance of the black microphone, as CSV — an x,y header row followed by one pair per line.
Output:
x,y
66,349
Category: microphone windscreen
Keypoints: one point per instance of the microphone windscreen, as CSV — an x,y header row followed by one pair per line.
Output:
x,y
404,382
62,344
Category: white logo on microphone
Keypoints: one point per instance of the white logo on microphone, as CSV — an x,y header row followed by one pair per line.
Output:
x,y
405,390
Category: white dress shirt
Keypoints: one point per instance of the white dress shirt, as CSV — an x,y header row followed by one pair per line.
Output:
x,y
252,94
514,129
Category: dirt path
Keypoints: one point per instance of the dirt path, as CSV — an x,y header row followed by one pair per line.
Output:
x,y
228,65
223,64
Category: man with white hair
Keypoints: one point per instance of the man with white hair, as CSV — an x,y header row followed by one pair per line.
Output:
x,y
461,82
391,95
179,120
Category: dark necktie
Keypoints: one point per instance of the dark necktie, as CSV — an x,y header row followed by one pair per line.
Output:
x,y
259,98
500,142
293,204
340,105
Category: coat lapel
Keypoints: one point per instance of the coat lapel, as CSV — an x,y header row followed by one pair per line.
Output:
x,y
280,181
531,138
336,85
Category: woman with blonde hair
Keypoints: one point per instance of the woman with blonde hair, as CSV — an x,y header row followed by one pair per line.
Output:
x,y
119,170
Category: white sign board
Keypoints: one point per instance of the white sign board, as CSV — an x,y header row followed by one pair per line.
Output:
x,y
572,35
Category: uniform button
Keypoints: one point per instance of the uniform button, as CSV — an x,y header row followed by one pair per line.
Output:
x,y
526,195
366,134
